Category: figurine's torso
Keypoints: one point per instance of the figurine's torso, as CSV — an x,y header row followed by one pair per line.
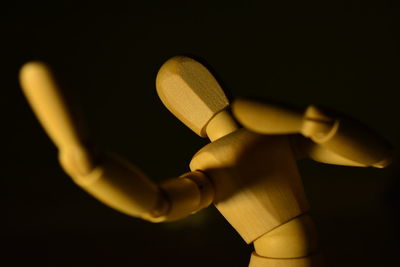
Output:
x,y
256,181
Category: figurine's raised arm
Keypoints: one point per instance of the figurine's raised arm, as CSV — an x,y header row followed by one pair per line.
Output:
x,y
107,177
252,179
326,136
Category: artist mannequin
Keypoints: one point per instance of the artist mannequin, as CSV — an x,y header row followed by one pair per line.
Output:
x,y
250,174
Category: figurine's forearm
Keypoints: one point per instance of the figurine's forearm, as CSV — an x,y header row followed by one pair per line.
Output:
x,y
350,142
122,186
108,178
346,137
117,184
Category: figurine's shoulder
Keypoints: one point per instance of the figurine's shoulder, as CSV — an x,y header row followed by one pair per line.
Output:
x,y
255,177
237,146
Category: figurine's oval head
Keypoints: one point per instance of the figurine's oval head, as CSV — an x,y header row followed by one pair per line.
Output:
x,y
190,92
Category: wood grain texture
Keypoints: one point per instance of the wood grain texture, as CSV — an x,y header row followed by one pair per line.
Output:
x,y
257,184
190,92
251,178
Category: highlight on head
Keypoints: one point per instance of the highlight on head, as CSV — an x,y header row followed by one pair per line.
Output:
x,y
190,92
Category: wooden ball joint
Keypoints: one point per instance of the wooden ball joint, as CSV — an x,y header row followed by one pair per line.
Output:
x,y
249,174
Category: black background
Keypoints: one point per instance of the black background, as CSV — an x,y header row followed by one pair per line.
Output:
x,y
341,54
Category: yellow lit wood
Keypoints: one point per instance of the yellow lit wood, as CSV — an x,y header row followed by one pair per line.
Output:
x,y
46,100
50,107
308,261
220,125
190,92
343,137
252,178
294,239
257,185
109,178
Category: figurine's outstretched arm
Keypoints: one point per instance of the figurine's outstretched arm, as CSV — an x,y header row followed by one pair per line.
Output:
x,y
107,177
325,136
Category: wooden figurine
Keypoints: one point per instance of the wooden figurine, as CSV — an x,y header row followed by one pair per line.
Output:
x,y
249,174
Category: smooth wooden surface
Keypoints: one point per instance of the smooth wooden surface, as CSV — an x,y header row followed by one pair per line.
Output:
x,y
111,52
190,92
343,136
257,185
294,239
306,148
251,178
122,186
107,177
253,198
60,122
187,194
48,102
310,261
220,125
346,137
266,117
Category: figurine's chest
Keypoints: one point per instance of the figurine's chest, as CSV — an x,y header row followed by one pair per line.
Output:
x,y
257,185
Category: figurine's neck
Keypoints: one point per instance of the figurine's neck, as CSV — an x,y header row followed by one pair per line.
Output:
x,y
220,125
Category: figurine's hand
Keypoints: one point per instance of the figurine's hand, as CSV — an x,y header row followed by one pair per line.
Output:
x,y
349,142
109,178
47,101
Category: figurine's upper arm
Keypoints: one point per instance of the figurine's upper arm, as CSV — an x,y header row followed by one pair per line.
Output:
x,y
337,139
